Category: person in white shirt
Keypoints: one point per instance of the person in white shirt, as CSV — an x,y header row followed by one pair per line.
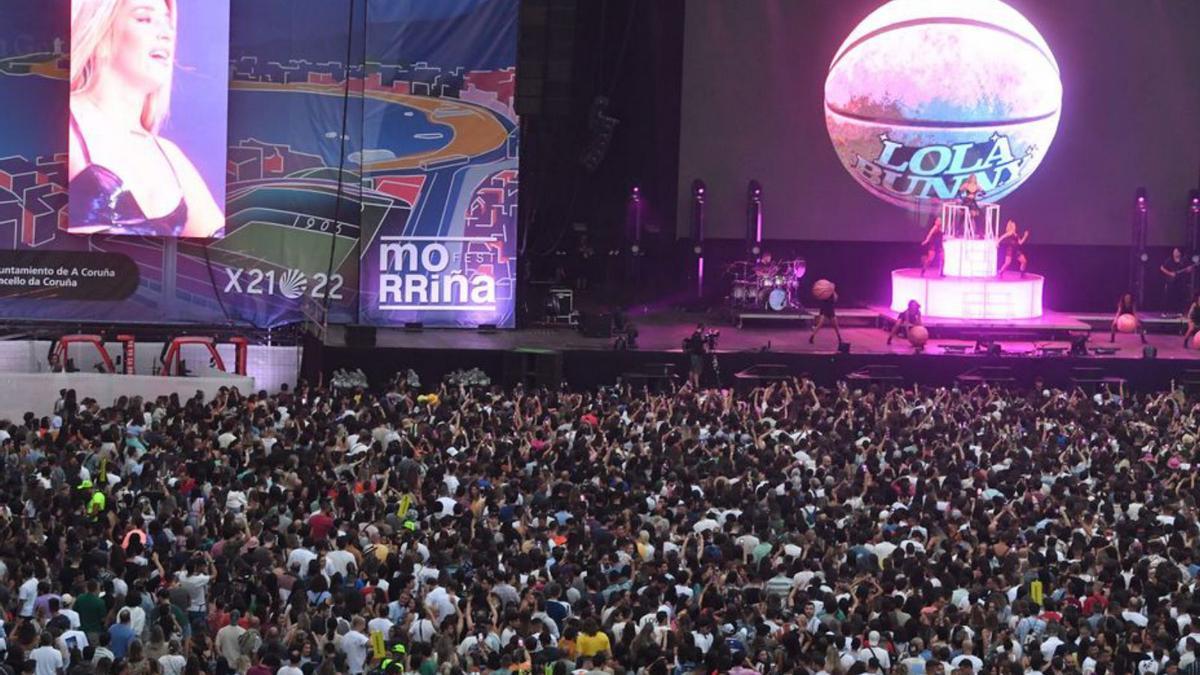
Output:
x,y
339,561
172,663
196,585
292,667
299,559
73,639
354,646
380,624
441,601
235,500
27,595
47,658
872,650
422,630
1182,646
968,657
137,616
66,610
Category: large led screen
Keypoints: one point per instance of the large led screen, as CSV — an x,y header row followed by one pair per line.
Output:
x,y
147,137
860,118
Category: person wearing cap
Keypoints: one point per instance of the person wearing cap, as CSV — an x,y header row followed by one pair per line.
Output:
x,y
94,499
873,651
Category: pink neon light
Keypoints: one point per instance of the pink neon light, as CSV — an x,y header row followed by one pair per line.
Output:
x,y
969,298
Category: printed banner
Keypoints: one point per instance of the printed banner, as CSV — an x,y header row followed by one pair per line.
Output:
x,y
440,139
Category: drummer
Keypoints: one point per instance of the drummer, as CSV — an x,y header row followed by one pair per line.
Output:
x,y
764,268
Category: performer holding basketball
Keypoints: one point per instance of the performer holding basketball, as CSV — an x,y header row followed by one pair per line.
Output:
x,y
907,319
827,300
1012,246
1193,320
968,196
1126,305
935,253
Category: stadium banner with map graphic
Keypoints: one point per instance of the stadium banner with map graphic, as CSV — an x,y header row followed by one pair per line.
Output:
x,y
440,155
440,139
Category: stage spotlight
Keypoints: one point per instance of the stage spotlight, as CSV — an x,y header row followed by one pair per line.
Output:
x,y
754,217
635,249
1142,201
1144,257
698,187
697,249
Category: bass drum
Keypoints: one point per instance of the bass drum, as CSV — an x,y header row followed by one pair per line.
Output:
x,y
777,300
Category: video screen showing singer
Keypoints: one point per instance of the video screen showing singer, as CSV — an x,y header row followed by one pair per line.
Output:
x,y
126,178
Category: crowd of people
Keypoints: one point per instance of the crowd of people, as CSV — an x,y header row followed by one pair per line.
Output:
x,y
791,529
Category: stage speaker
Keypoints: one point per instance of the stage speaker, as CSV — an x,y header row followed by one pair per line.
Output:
x,y
360,336
545,57
1149,352
533,368
843,347
596,325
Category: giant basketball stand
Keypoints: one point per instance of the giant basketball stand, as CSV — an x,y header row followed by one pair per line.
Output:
x,y
970,288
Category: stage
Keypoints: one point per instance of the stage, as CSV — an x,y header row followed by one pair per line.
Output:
x,y
548,355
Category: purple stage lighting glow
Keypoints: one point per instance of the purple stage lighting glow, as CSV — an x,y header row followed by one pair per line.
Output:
x,y
967,297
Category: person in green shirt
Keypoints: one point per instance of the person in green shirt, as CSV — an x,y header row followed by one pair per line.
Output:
x,y
92,610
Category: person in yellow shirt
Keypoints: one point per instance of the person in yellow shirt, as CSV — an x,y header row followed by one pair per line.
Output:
x,y
592,640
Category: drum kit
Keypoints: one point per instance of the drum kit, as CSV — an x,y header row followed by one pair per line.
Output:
x,y
772,286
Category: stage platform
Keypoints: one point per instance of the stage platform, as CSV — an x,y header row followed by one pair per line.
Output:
x,y
546,356
1048,326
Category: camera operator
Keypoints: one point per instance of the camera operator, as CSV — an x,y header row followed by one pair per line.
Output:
x,y
698,346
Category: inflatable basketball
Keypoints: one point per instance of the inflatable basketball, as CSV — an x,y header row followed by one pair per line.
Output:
x,y
1127,323
823,289
924,93
918,336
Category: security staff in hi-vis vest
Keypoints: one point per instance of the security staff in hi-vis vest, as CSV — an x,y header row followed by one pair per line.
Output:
x,y
95,500
395,661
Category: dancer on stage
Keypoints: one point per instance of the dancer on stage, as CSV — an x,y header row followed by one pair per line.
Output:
x,y
826,313
968,196
907,319
935,253
1126,305
1193,320
1012,246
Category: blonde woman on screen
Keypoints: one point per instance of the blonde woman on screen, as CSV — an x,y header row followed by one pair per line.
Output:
x,y
125,178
